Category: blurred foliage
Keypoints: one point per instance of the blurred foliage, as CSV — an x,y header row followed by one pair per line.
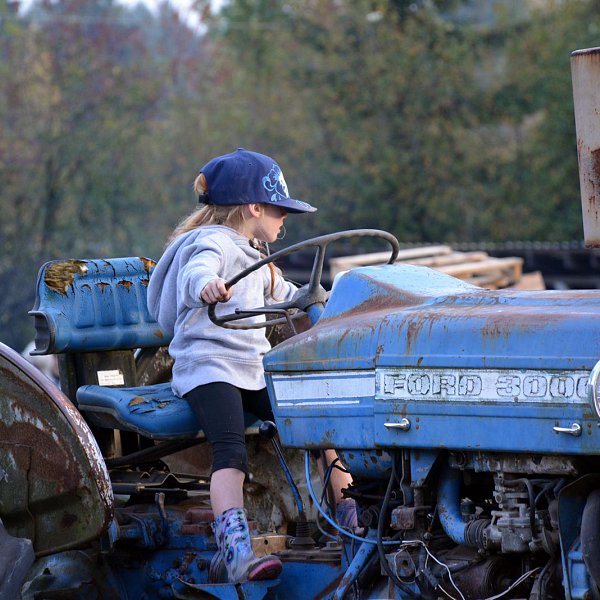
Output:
x,y
441,121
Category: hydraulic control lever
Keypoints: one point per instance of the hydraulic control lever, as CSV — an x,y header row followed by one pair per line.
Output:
x,y
268,430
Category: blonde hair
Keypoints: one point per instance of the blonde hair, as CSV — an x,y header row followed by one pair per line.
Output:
x,y
208,214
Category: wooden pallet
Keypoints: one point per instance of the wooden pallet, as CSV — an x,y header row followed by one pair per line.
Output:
x,y
477,268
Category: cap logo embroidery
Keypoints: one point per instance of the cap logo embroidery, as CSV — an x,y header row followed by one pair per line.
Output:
x,y
275,184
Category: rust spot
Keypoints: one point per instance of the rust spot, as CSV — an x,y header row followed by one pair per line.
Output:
x,y
196,529
596,163
145,282
102,285
137,400
148,263
125,283
59,275
197,520
328,435
199,514
52,463
589,55
159,334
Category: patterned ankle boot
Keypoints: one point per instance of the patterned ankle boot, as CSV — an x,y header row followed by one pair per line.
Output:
x,y
233,540
345,512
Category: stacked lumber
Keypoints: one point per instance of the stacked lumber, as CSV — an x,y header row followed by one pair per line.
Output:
x,y
478,268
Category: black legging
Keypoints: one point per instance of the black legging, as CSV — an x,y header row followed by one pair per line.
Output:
x,y
219,408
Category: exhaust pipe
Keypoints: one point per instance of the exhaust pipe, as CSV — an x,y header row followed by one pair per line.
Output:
x,y
585,72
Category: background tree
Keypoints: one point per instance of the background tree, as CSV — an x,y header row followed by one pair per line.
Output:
x,y
80,99
442,120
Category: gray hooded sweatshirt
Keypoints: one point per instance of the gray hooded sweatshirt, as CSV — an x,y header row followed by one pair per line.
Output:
x,y
204,352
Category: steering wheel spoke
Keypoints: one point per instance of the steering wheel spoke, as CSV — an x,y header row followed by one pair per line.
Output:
x,y
286,316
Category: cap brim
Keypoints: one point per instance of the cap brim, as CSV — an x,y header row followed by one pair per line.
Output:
x,y
294,206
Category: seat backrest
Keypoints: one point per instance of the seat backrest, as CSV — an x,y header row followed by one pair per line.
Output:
x,y
94,305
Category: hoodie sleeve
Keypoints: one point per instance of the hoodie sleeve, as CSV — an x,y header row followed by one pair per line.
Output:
x,y
282,290
200,263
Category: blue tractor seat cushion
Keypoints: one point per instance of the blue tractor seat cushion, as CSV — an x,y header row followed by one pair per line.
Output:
x,y
153,411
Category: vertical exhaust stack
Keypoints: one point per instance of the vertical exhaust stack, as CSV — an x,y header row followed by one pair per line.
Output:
x,y
585,71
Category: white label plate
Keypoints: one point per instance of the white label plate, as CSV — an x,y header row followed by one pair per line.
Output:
x,y
110,378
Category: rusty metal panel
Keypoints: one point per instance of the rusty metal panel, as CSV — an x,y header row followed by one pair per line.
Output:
x,y
54,487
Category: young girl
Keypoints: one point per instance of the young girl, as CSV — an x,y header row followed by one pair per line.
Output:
x,y
219,371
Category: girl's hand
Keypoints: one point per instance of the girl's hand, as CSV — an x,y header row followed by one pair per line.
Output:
x,y
215,291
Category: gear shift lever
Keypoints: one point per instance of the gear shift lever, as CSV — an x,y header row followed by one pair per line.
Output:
x,y
268,430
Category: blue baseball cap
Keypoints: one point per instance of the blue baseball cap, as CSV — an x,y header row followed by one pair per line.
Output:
x,y
245,177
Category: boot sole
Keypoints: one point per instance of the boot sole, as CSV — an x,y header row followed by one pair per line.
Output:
x,y
270,569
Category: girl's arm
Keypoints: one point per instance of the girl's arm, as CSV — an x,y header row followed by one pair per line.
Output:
x,y
202,265
277,289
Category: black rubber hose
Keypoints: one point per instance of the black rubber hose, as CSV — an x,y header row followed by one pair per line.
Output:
x,y
590,535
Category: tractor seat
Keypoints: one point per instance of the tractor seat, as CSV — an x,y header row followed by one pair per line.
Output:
x,y
94,315
152,411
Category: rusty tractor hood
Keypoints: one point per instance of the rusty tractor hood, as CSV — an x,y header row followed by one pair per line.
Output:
x,y
409,316
54,487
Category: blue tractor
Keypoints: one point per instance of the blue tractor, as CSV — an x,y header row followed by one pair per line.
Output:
x,y
468,419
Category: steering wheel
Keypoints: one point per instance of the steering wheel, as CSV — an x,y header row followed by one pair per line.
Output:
x,y
308,295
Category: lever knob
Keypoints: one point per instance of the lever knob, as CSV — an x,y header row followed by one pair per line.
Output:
x,y
267,430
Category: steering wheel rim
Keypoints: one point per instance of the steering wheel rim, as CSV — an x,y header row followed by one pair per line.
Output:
x,y
312,293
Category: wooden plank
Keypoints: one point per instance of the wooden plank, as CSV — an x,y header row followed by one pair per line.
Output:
x,y
470,269
477,268
449,259
343,263
494,281
530,281
375,258
412,253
